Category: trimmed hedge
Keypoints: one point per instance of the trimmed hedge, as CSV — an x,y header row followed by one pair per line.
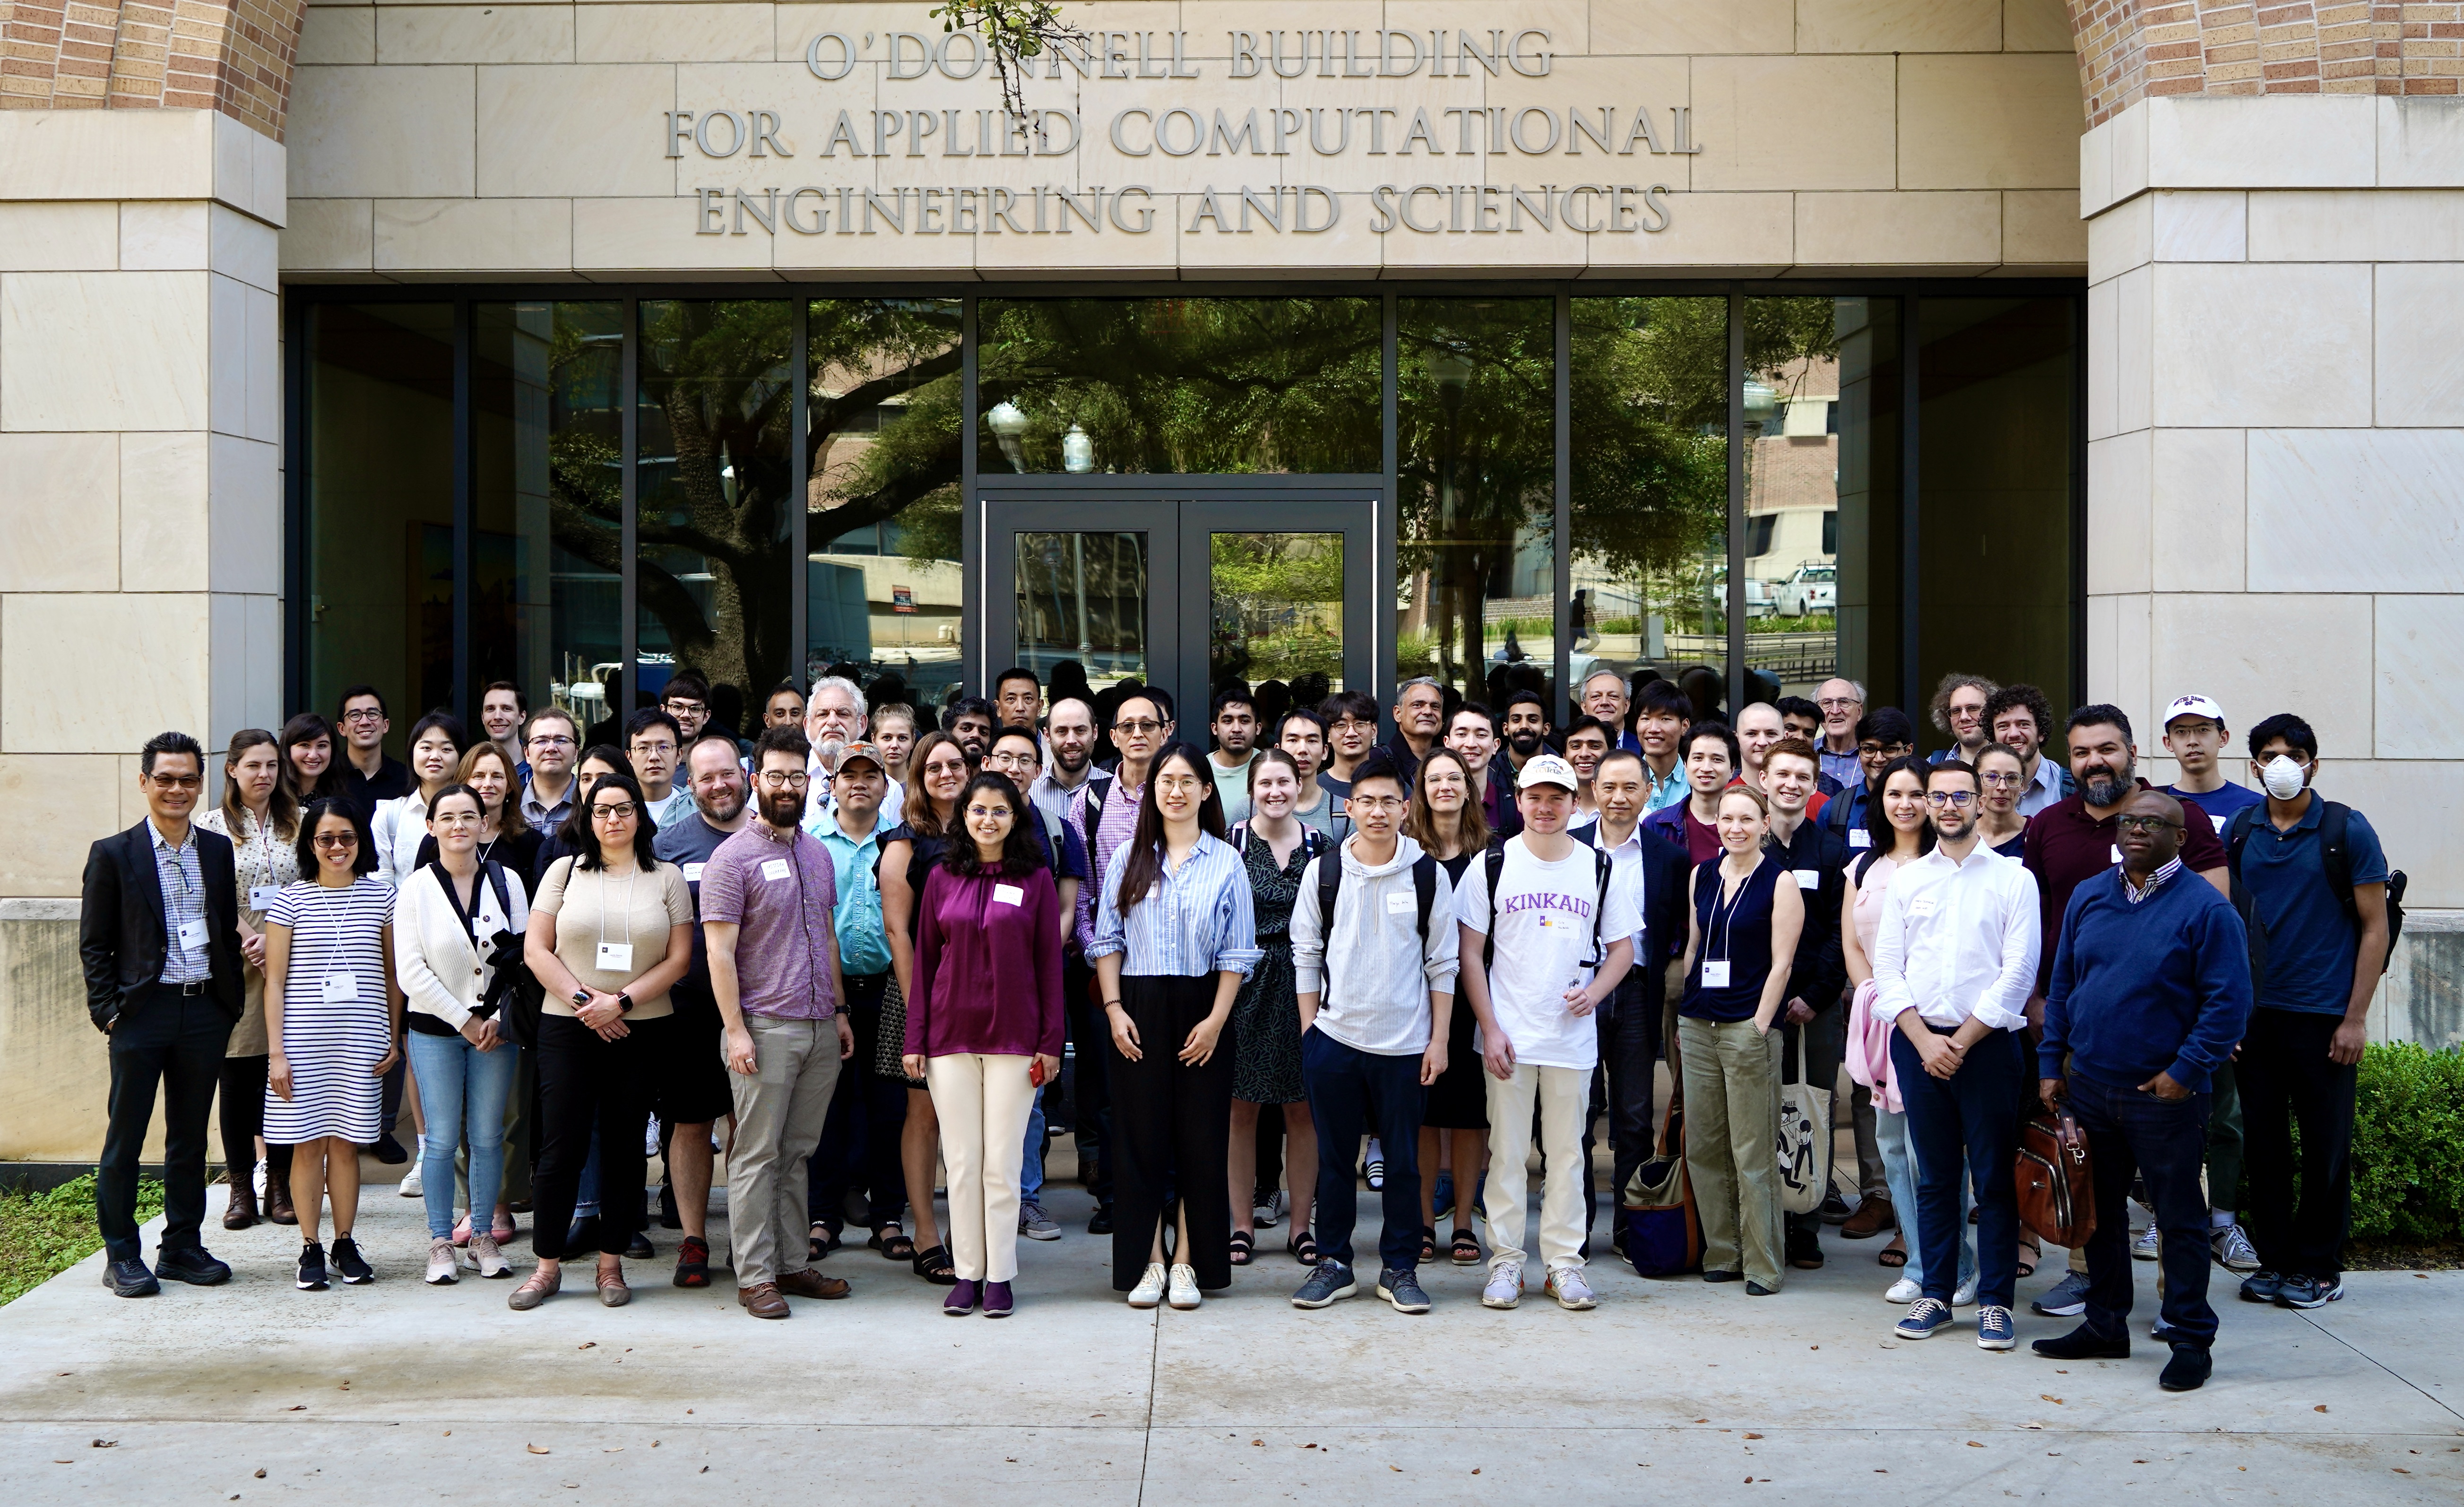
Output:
x,y
2409,1144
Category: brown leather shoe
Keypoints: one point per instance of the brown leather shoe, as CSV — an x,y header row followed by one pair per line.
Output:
x,y
1872,1217
277,1201
809,1284
761,1301
241,1211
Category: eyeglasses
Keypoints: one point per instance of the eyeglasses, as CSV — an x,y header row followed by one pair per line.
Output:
x,y
1138,726
613,811
1949,797
654,748
2005,779
1012,760
178,781
363,714
1342,723
784,780
1881,749
684,705
1839,702
336,840
551,740
2147,824
986,812
456,819
1374,803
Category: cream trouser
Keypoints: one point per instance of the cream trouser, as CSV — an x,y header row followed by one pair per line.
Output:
x,y
1564,1094
982,1103
780,1111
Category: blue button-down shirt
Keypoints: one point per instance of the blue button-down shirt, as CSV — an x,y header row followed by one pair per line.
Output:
x,y
183,902
1200,918
1661,794
863,947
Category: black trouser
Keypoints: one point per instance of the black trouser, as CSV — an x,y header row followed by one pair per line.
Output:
x,y
2285,1076
2165,1144
242,1121
1826,1046
1352,1092
1091,1105
1629,1037
587,1084
860,1139
1172,1125
175,1042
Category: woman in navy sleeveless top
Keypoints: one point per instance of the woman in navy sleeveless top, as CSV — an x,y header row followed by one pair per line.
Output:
x,y
1742,939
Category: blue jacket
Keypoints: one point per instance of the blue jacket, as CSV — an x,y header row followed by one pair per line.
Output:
x,y
2158,987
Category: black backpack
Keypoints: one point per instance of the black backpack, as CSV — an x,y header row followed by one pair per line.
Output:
x,y
2336,854
1493,863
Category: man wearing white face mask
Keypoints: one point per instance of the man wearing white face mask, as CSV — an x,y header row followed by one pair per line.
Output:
x,y
2314,887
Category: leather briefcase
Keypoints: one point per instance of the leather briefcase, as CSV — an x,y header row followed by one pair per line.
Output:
x,y
2057,1184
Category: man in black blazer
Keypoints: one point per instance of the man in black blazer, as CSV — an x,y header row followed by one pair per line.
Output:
x,y
1632,1025
160,937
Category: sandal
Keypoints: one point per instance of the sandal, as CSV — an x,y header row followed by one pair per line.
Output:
x,y
1895,1254
1243,1245
2029,1254
1428,1244
934,1265
892,1242
1467,1251
1302,1246
821,1243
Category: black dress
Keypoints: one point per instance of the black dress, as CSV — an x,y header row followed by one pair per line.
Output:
x,y
892,1044
1267,1017
1458,1100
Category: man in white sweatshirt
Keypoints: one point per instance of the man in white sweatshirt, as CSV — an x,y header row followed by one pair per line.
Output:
x,y
1375,972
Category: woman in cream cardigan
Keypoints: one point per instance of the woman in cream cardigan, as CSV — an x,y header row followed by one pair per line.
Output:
x,y
447,915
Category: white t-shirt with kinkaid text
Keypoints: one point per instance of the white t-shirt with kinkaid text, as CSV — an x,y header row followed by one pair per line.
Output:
x,y
1542,934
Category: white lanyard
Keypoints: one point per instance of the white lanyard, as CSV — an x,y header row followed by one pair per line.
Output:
x,y
342,985
628,905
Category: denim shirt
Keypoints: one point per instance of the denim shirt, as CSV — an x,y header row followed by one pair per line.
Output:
x,y
863,947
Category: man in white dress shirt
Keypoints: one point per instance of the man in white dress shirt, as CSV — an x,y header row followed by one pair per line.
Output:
x,y
1954,960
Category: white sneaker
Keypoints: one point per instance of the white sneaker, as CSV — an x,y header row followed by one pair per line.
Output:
x,y
1150,1289
442,1262
2232,1249
1566,1285
1185,1295
2143,1249
1906,1290
1504,1287
486,1257
1966,1294
409,1188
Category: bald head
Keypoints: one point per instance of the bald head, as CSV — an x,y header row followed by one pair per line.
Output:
x,y
2148,832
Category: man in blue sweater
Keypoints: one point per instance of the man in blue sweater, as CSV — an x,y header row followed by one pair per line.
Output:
x,y
2150,994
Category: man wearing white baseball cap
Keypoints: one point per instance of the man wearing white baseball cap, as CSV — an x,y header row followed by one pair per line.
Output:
x,y
1550,923
2195,735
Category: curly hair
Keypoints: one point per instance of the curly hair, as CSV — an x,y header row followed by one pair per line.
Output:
x,y
1938,709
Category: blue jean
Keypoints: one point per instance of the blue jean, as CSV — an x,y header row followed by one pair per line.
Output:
x,y
1352,1092
462,1093
2166,1144
1030,1171
1900,1171
1973,1113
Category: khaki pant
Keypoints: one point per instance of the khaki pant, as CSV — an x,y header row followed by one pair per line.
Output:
x,y
779,1115
1732,1145
1565,1095
982,1103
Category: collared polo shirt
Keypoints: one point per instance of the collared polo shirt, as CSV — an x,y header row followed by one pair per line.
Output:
x,y
2311,946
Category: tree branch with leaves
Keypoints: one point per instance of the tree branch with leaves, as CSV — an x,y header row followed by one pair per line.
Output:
x,y
1012,33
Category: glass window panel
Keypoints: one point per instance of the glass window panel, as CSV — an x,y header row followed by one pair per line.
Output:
x,y
1476,475
716,405
548,614
884,589
1998,379
1180,385
1822,465
1082,598
1650,497
381,506
1275,609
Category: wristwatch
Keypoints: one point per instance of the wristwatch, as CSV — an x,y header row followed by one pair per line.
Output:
x,y
580,997
623,1002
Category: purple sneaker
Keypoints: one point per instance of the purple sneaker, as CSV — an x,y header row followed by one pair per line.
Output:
x,y
962,1300
997,1301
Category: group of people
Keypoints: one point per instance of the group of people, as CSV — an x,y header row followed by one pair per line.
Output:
x,y
860,948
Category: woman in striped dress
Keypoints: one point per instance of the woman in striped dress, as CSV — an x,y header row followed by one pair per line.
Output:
x,y
259,816
332,1022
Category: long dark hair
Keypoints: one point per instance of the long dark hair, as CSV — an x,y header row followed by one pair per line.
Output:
x,y
281,808
1877,821
1421,820
1021,855
586,854
1143,860
307,728
574,832
364,862
917,811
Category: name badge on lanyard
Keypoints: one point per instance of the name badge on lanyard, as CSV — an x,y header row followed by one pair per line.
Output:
x,y
192,935
261,896
341,989
1715,972
615,958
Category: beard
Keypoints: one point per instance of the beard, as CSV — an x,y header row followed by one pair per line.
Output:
x,y
781,808
726,807
2105,787
1525,743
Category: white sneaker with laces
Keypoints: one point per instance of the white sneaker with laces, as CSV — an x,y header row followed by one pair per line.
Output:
x,y
2232,1249
1185,1295
1566,1285
1504,1287
1964,1295
442,1264
408,1186
486,1257
1906,1290
2143,1249
1150,1289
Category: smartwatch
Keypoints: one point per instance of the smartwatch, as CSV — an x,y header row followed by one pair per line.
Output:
x,y
623,1002
580,997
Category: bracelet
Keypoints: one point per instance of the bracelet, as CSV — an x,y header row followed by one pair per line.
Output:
x,y
1111,1004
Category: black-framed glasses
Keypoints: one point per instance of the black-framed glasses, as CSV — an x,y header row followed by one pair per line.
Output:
x,y
1949,797
363,714
2147,824
614,811
784,780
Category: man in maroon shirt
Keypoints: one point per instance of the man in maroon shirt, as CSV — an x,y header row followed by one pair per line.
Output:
x,y
2071,841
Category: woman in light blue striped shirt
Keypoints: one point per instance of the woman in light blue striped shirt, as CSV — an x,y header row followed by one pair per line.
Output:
x,y
1174,937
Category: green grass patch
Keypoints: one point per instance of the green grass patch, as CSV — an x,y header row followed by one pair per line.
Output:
x,y
43,1234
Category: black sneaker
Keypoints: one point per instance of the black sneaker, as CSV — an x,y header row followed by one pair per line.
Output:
x,y
130,1278
1403,1289
194,1266
2262,1287
1328,1282
2188,1371
2310,1292
389,1150
355,1270
312,1267
669,1217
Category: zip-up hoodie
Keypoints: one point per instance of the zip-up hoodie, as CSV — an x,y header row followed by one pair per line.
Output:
x,y
1383,974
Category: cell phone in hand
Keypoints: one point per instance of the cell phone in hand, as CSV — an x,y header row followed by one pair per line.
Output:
x,y
1035,1072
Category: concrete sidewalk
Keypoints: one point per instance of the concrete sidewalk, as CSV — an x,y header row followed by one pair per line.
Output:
x,y
1670,1390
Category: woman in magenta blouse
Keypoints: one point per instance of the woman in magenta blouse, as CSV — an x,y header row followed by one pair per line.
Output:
x,y
983,1025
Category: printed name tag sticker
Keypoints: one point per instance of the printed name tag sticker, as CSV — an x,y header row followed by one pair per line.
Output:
x,y
1921,907
1399,905
1810,878
692,872
773,868
1009,895
1859,837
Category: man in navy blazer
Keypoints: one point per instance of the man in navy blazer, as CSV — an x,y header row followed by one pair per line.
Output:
x,y
1633,1023
158,935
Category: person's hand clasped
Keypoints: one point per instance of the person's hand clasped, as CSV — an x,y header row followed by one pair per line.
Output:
x,y
385,1064
1943,1056
1433,1061
480,1031
2345,1049
1497,1055
1799,1012
913,1065
252,950
603,1015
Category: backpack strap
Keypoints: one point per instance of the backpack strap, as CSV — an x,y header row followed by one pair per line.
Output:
x,y
2336,857
495,873
1603,872
1493,863
1424,888
1096,785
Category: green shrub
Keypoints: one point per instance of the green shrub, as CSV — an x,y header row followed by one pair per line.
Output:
x,y
43,1234
2409,1144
